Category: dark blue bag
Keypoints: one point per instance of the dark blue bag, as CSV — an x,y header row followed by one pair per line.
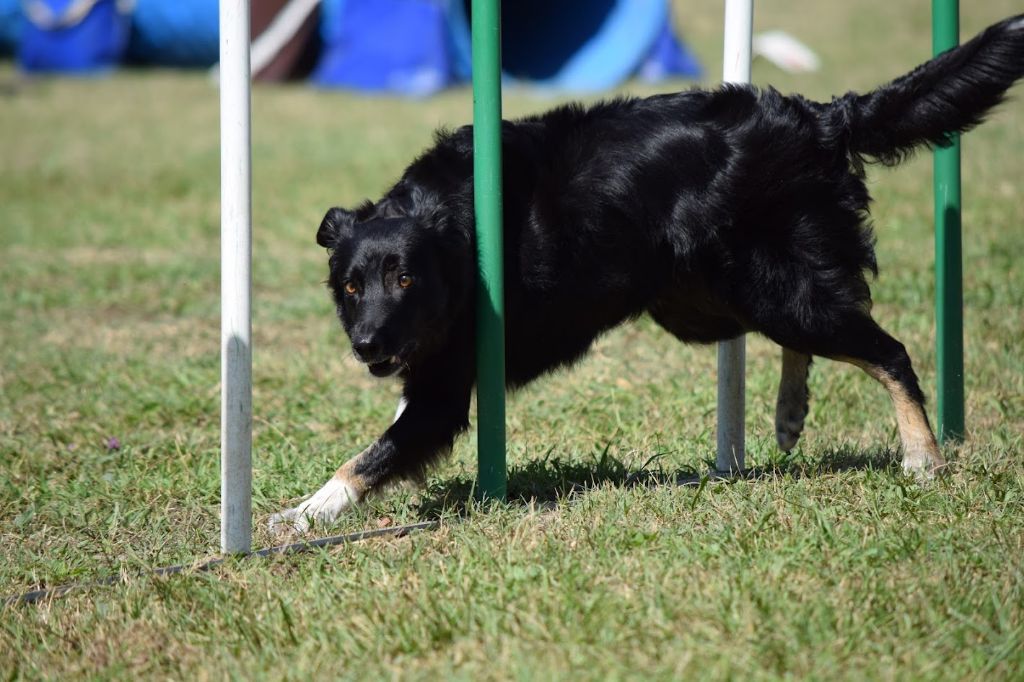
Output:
x,y
74,36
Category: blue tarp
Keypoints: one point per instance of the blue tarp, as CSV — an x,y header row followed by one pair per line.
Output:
x,y
416,47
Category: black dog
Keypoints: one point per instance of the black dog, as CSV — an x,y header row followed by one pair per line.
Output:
x,y
719,213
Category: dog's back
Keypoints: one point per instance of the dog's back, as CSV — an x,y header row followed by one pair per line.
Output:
x,y
732,208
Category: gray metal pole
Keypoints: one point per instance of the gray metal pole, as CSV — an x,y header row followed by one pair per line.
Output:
x,y
739,19
236,279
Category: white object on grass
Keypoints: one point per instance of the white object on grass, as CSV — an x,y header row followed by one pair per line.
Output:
x,y
785,52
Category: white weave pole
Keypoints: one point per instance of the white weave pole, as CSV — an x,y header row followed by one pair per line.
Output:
x,y
235,280
739,26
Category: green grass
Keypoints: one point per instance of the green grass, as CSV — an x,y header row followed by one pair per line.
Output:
x,y
833,566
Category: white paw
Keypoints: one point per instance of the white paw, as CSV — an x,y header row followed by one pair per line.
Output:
x,y
923,463
323,507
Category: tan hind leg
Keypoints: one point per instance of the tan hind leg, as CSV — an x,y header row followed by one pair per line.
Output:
x,y
852,336
860,341
921,454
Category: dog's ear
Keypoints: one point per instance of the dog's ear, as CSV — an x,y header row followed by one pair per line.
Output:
x,y
455,242
405,199
336,225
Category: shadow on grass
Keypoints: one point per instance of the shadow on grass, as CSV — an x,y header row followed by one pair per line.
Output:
x,y
552,481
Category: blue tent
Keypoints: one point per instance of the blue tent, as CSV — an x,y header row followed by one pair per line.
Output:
x,y
416,47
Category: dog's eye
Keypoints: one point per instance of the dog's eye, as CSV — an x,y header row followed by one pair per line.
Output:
x,y
351,288
404,281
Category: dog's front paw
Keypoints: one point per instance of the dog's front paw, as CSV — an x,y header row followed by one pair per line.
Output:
x,y
323,507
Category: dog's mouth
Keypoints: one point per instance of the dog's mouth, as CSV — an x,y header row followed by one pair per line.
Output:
x,y
385,368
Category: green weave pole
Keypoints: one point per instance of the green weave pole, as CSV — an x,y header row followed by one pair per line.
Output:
x,y
490,336
949,302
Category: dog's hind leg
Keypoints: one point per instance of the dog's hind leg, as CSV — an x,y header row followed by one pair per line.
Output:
x,y
860,341
791,407
921,455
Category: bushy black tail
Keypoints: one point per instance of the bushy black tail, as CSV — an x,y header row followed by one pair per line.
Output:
x,y
949,94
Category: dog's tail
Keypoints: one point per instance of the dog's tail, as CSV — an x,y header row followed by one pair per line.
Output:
x,y
949,94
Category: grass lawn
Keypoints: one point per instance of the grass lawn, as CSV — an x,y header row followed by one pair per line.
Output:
x,y
833,566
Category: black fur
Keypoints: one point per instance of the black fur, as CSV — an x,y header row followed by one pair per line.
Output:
x,y
718,213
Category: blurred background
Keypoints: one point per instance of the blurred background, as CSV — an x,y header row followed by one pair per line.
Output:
x,y
409,47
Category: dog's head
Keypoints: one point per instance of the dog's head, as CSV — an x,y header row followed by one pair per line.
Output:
x,y
397,282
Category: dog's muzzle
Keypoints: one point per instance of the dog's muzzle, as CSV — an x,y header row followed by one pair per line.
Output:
x,y
369,352
385,368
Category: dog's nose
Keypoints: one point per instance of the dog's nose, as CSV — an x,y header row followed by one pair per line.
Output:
x,y
366,348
